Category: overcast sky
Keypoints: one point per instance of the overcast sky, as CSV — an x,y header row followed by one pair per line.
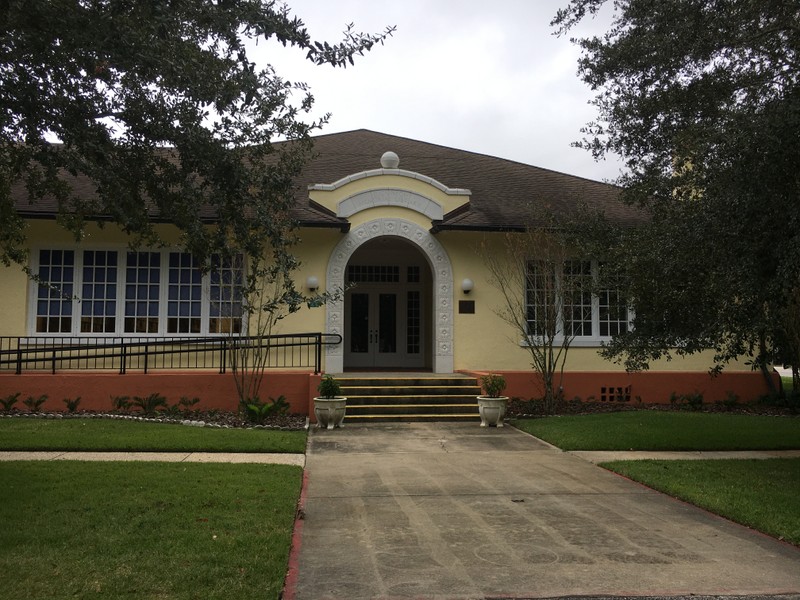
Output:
x,y
487,76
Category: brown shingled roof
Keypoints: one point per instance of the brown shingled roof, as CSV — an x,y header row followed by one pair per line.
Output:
x,y
504,193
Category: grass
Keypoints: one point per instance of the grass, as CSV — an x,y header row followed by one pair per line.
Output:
x,y
768,501
652,430
118,435
145,530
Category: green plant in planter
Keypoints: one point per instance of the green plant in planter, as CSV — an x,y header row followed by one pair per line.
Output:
x,y
493,385
330,405
329,387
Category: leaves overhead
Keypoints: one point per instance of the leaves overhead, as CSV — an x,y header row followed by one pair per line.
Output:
x,y
701,99
159,114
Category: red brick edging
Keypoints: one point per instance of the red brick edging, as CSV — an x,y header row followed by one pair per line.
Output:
x,y
290,582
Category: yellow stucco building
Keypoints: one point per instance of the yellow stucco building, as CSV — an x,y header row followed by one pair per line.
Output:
x,y
398,223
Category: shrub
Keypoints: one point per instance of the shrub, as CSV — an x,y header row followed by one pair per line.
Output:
x,y
72,405
258,412
173,410
690,401
187,403
9,401
122,403
730,401
790,400
149,405
34,404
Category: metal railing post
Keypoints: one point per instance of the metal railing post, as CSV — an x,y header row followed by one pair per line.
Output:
x,y
19,356
318,358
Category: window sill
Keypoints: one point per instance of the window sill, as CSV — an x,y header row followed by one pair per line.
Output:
x,y
576,343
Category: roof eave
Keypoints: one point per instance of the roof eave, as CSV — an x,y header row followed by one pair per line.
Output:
x,y
344,226
440,226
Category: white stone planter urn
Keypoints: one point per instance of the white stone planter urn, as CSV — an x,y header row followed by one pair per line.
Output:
x,y
329,407
330,411
492,410
492,406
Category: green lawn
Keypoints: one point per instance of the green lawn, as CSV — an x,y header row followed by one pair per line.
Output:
x,y
145,530
762,494
654,430
119,435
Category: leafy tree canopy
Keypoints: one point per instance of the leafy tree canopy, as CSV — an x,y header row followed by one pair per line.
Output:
x,y
701,99
159,114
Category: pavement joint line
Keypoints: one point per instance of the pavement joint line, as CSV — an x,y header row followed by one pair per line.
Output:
x,y
644,490
263,458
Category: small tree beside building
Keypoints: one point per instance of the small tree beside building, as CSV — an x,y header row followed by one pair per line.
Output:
x,y
546,297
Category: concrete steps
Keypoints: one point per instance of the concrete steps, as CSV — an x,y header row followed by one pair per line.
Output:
x,y
412,398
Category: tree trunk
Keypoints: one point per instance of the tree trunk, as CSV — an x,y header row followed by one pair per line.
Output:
x,y
762,343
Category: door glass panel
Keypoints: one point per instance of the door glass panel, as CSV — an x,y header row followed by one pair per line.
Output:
x,y
359,323
387,323
413,322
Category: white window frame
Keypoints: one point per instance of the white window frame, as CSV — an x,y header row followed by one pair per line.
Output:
x,y
586,341
122,266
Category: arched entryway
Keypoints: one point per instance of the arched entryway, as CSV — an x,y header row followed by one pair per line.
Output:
x,y
374,317
387,314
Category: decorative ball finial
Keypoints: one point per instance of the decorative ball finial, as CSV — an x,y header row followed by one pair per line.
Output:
x,y
390,160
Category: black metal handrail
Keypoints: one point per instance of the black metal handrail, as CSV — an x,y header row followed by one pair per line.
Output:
x,y
54,353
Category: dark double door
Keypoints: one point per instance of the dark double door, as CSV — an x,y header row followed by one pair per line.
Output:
x,y
384,328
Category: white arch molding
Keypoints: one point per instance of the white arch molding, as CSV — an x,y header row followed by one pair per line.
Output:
x,y
441,270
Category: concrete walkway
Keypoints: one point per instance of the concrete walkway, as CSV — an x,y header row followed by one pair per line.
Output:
x,y
448,510
199,457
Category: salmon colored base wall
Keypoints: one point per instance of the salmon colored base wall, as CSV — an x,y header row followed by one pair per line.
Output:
x,y
653,387
219,390
215,390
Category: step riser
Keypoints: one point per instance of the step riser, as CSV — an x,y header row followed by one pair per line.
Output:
x,y
354,392
415,410
376,399
405,382
412,419
391,400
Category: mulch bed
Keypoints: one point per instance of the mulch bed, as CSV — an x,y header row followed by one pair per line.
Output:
x,y
219,419
517,408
